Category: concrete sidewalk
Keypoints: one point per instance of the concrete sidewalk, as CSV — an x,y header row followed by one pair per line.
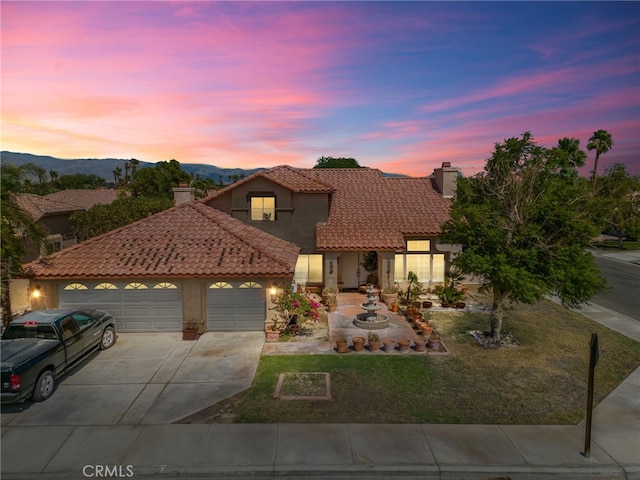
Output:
x,y
362,451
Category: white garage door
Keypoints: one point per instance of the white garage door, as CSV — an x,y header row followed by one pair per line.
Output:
x,y
235,306
135,306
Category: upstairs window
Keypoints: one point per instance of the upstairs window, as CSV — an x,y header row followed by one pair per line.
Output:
x,y
263,208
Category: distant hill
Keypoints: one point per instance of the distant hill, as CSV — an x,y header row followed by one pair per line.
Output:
x,y
104,167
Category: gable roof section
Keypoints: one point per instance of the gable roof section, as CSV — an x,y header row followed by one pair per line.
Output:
x,y
189,240
372,212
85,198
291,178
37,207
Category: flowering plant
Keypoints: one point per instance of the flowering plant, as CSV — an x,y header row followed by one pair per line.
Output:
x,y
288,303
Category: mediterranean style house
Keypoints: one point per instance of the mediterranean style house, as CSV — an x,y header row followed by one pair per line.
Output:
x,y
212,264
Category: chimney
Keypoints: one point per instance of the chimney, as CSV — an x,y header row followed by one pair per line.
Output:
x,y
183,194
446,179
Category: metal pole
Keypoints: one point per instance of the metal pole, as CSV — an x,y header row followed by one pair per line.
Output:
x,y
593,360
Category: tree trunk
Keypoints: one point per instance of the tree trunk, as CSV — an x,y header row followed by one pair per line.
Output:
x,y
594,174
497,314
5,298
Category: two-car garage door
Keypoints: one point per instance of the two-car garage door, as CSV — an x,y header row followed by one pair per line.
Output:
x,y
136,306
157,306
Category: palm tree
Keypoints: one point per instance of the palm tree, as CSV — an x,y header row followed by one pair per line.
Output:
x,y
571,146
601,142
116,175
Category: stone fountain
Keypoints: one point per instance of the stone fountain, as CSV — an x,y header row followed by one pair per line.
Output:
x,y
371,320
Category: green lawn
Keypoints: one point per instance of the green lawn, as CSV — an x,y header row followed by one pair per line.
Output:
x,y
543,381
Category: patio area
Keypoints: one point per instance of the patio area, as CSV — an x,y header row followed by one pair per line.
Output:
x,y
321,339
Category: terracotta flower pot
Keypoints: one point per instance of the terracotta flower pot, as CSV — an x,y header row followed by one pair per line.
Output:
x,y
341,346
404,344
426,330
273,335
434,344
374,346
389,345
427,304
421,344
358,343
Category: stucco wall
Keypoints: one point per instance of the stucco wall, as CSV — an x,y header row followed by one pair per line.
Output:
x,y
296,214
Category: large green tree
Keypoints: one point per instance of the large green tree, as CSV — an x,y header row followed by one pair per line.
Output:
x,y
340,162
601,142
524,223
158,181
100,219
17,227
619,194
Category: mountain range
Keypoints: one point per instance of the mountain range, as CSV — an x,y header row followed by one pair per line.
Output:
x,y
104,167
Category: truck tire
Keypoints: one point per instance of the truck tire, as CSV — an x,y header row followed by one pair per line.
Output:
x,y
108,338
45,385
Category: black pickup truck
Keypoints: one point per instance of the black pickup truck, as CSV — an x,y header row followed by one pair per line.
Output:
x,y
39,347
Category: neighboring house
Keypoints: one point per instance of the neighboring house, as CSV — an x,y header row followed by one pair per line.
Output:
x,y
339,216
212,263
53,211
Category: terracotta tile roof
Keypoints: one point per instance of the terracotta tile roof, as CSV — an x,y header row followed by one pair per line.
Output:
x,y
37,207
85,198
372,212
189,240
294,179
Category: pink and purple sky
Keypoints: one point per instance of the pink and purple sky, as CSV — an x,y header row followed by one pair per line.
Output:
x,y
400,86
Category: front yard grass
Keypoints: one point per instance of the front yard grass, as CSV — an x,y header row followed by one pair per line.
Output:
x,y
542,381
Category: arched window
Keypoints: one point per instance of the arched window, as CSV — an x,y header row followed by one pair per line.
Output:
x,y
221,285
136,286
250,285
105,286
164,286
76,286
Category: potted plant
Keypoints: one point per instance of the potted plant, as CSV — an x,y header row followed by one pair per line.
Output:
x,y
358,343
190,331
395,307
390,295
448,295
329,294
374,341
274,330
434,342
341,345
370,264
332,303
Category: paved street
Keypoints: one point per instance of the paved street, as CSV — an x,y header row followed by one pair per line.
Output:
x,y
624,280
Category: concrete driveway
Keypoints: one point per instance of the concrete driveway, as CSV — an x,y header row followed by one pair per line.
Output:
x,y
147,378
